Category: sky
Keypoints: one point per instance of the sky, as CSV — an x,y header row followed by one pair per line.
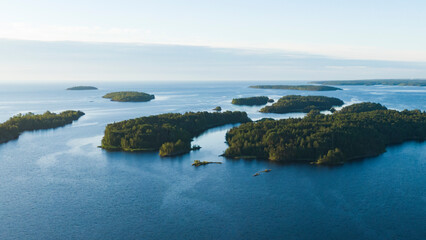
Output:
x,y
211,40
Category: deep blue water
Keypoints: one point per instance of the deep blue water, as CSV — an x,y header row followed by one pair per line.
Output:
x,y
56,184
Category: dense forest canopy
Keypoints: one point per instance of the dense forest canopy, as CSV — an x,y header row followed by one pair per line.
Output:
x,y
129,96
357,131
298,87
12,128
171,132
364,107
397,82
251,101
296,103
82,88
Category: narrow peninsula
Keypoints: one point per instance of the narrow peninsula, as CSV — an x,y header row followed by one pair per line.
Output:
x,y
82,88
251,101
129,96
296,103
298,87
170,133
357,131
390,82
12,128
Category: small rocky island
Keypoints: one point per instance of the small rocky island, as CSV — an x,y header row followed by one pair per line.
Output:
x,y
251,101
12,128
170,133
263,171
129,96
357,131
83,88
298,87
296,103
218,109
198,163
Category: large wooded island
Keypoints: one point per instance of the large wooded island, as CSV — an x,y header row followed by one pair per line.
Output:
x,y
357,131
12,128
170,133
129,96
296,103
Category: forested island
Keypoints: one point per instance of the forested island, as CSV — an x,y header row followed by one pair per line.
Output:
x,y
171,133
392,82
296,103
357,131
129,96
251,101
298,87
12,128
82,88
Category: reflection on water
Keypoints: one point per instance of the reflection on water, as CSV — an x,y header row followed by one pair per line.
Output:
x,y
58,184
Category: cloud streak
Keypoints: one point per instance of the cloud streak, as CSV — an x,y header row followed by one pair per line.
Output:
x,y
43,32
82,61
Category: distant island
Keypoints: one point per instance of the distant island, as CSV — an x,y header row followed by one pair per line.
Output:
x,y
129,96
12,128
82,88
357,131
251,101
296,103
298,87
170,133
392,82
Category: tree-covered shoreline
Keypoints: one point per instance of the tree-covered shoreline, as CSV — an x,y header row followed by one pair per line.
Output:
x,y
357,131
296,103
129,96
251,101
171,133
298,87
12,128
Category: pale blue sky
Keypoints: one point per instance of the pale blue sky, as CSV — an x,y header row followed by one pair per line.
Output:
x,y
371,31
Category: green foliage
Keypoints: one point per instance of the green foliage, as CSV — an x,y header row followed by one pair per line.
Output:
x,y
398,82
150,133
298,87
333,157
218,108
12,128
177,148
348,135
82,88
250,101
363,107
129,96
296,103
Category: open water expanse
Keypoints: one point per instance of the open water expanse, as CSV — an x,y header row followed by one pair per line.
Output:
x,y
57,184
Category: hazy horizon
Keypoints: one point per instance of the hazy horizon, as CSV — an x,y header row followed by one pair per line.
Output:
x,y
68,61
188,40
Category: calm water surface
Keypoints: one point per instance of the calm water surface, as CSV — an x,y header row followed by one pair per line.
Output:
x,y
56,184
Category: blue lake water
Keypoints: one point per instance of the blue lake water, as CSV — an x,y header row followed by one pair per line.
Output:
x,y
57,184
